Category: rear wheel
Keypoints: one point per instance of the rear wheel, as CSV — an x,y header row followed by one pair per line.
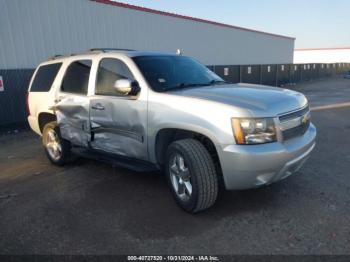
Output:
x,y
57,149
191,175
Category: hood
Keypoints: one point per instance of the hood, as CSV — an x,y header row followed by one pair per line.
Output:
x,y
258,99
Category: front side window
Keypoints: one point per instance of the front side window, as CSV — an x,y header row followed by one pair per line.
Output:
x,y
44,77
165,73
109,71
76,79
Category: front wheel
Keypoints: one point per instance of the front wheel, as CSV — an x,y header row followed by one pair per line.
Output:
x,y
191,175
56,148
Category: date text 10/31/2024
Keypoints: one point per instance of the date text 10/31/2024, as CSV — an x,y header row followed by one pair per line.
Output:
x,y
173,258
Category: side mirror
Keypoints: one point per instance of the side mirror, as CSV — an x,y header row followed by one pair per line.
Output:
x,y
126,87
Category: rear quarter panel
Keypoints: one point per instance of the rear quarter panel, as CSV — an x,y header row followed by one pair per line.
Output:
x,y
42,102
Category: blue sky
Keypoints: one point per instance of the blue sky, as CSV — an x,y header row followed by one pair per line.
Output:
x,y
314,23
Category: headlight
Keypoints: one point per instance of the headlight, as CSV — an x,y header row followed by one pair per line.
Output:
x,y
253,130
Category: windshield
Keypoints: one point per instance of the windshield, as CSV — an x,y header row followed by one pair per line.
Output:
x,y
165,73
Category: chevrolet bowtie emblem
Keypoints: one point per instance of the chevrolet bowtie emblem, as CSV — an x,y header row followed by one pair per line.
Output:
x,y
305,118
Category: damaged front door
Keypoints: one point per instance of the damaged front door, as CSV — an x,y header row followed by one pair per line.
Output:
x,y
118,121
72,104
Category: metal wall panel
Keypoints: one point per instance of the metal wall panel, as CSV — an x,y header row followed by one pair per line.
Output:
x,y
339,68
230,73
250,74
268,75
305,72
314,71
328,70
31,31
13,98
283,74
295,73
322,70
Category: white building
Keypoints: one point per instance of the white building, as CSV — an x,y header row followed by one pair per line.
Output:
x,y
322,55
31,31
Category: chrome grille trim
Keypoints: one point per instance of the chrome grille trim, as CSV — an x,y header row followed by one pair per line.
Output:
x,y
295,123
287,116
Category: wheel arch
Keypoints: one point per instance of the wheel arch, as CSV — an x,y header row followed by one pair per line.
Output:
x,y
44,118
166,136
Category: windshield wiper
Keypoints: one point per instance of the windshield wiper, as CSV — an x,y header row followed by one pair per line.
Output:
x,y
184,85
218,82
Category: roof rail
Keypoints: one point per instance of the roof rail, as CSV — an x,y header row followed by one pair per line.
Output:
x,y
103,50
109,49
54,57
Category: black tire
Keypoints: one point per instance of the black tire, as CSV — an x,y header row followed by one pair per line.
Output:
x,y
65,145
203,176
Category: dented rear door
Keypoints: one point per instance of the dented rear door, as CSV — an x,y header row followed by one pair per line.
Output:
x,y
73,103
72,112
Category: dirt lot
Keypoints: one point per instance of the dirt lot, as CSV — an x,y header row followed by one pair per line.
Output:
x,y
93,208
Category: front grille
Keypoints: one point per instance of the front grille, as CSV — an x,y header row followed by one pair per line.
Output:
x,y
295,114
295,131
295,124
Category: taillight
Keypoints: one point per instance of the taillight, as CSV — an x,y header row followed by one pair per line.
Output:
x,y
27,104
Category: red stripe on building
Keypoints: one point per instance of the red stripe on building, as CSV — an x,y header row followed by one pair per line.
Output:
x,y
327,48
157,12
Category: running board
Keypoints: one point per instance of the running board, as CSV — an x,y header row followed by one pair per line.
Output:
x,y
122,161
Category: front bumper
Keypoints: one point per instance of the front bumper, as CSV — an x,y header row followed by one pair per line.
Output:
x,y
249,166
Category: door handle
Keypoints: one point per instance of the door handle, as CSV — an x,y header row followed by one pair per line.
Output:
x,y
98,106
59,99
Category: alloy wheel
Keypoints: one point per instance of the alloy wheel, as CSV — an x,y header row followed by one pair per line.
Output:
x,y
53,145
180,177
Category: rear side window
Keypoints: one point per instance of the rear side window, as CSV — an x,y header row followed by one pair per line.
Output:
x,y
76,79
44,77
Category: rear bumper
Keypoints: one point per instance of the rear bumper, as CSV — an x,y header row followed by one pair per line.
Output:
x,y
249,166
34,124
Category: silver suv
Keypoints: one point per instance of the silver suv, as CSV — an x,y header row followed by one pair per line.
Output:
x,y
148,110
